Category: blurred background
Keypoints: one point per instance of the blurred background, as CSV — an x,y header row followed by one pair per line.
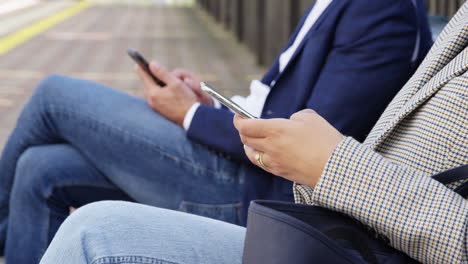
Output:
x,y
228,42
265,25
89,40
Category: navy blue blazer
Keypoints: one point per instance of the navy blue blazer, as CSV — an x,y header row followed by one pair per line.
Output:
x,y
352,62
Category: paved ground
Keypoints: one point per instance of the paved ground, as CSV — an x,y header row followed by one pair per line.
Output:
x,y
20,16
93,45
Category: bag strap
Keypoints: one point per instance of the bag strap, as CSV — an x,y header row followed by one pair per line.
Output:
x,y
454,175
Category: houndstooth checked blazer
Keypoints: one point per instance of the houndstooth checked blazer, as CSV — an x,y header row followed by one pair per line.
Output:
x,y
384,182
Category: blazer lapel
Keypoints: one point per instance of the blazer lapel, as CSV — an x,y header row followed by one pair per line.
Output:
x,y
446,60
307,36
273,72
455,68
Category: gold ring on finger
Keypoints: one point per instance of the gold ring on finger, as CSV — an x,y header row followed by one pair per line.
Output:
x,y
259,158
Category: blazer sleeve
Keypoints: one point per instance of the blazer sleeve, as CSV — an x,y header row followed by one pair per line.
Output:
x,y
420,216
215,129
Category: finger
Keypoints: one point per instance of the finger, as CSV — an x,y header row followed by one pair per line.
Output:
x,y
259,144
196,88
304,114
245,128
194,85
250,152
259,128
143,76
162,73
183,74
252,155
179,73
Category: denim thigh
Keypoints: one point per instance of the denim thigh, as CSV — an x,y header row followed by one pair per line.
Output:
x,y
142,153
123,233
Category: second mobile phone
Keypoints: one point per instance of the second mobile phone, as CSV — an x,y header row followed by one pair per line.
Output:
x,y
143,63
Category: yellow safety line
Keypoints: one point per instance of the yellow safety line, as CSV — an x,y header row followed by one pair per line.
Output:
x,y
11,41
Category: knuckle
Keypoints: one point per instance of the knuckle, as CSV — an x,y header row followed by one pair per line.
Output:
x,y
275,153
306,113
295,115
243,140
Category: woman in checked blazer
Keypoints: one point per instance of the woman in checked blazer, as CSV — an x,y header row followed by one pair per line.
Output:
x,y
384,182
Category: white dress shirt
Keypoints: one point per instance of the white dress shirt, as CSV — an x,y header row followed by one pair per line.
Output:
x,y
259,91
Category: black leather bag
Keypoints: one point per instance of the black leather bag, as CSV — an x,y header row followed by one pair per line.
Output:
x,y
281,232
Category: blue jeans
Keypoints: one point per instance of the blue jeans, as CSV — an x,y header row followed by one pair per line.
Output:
x,y
78,142
123,233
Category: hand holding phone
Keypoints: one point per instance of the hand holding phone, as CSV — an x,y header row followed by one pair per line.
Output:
x,y
225,101
143,63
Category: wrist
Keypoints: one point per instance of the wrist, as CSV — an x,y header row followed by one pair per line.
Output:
x,y
183,113
326,156
187,121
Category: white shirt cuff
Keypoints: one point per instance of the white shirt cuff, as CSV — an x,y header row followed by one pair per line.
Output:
x,y
189,116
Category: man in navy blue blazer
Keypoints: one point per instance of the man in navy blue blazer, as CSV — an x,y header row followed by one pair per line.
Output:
x,y
74,143
350,64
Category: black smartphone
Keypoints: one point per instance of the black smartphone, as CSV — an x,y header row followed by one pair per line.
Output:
x,y
140,60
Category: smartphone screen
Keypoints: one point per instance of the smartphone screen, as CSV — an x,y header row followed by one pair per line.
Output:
x,y
140,60
225,101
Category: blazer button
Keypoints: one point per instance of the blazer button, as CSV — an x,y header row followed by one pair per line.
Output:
x,y
269,112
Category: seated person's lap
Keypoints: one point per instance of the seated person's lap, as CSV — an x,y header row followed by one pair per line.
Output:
x,y
142,234
131,147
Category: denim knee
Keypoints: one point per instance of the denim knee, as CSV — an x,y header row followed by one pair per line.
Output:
x,y
37,171
94,218
103,211
50,85
80,232
28,171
